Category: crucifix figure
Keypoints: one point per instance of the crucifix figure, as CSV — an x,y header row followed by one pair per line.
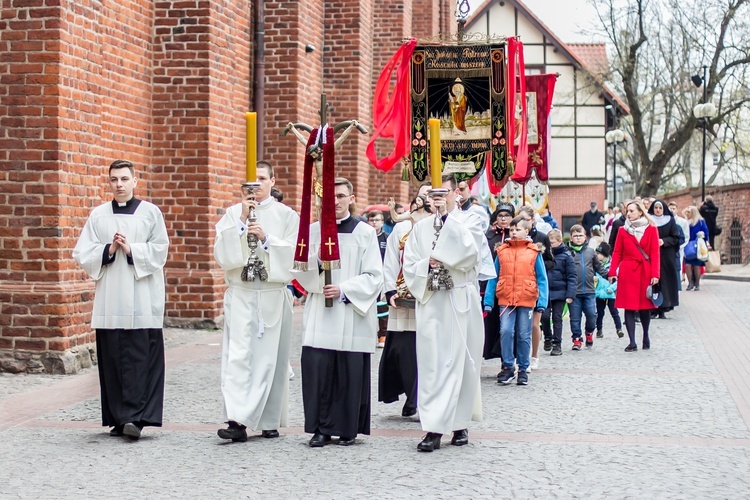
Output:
x,y
315,152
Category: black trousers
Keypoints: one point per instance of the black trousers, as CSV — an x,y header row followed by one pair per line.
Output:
x,y
601,306
555,310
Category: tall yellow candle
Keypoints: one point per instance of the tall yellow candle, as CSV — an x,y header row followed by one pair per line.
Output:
x,y
251,151
436,166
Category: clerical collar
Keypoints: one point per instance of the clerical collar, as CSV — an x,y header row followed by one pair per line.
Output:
x,y
265,202
347,225
128,208
339,221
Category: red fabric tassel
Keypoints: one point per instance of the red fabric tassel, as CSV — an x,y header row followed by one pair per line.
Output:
x,y
329,234
495,186
391,114
302,250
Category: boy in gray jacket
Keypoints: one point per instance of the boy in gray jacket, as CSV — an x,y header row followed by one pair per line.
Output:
x,y
587,265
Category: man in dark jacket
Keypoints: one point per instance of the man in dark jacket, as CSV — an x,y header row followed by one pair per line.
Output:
x,y
710,212
591,219
563,283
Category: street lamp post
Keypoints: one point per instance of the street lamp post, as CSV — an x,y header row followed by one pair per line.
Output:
x,y
613,137
703,112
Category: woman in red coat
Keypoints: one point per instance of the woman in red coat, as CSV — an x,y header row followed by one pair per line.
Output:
x,y
636,264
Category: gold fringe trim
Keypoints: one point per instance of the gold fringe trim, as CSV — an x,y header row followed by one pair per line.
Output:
x,y
330,265
300,265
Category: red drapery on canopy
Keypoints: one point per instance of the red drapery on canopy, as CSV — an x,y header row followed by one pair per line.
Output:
x,y
391,113
543,86
515,102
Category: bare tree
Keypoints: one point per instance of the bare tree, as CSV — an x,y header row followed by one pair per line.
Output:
x,y
658,45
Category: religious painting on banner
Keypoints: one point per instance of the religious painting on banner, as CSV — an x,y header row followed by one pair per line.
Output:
x,y
464,87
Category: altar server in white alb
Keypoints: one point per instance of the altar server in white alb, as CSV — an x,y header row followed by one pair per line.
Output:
x,y
449,322
257,313
338,341
123,246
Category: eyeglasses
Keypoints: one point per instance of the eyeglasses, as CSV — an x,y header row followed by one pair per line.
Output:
x,y
503,216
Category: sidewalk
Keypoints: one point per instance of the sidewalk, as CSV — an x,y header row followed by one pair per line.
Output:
x,y
672,422
731,272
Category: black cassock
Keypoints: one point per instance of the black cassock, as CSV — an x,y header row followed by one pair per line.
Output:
x,y
397,373
336,392
669,233
131,376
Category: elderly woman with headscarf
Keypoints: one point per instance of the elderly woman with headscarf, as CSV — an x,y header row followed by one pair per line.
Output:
x,y
636,265
669,246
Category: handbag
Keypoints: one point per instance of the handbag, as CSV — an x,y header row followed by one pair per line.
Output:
x,y
691,250
702,249
713,264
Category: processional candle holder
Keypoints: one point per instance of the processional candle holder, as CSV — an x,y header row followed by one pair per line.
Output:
x,y
254,267
439,278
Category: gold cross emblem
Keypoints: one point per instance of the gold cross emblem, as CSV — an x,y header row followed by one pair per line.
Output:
x,y
301,246
330,243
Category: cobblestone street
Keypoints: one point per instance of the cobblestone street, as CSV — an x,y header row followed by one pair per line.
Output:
x,y
672,422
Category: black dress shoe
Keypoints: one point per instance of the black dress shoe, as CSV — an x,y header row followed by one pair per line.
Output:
x,y
631,348
408,412
133,431
235,432
345,441
116,431
319,440
270,434
430,442
460,438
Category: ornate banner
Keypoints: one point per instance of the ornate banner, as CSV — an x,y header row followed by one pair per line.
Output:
x,y
539,93
464,87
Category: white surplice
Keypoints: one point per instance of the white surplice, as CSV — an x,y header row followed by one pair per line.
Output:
x,y
450,333
403,318
348,327
257,317
128,296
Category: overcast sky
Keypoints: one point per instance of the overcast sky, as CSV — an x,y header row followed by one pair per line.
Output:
x,y
566,18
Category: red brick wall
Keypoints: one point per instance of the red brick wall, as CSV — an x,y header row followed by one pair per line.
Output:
x,y
164,84
574,200
733,202
426,18
394,21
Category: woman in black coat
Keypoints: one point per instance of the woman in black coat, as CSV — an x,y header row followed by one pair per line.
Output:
x,y
669,243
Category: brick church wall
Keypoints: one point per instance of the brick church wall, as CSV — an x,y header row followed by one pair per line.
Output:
x,y
733,202
164,84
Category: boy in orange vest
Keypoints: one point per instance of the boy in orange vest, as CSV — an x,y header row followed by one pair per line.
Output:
x,y
520,288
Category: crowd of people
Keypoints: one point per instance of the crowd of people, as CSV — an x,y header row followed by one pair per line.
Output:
x,y
439,285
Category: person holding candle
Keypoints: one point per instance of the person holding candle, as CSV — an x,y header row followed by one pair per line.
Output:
x,y
257,314
448,322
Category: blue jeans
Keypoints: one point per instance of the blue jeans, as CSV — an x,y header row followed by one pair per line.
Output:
x,y
515,332
583,303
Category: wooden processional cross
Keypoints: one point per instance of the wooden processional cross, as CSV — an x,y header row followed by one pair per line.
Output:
x,y
348,127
